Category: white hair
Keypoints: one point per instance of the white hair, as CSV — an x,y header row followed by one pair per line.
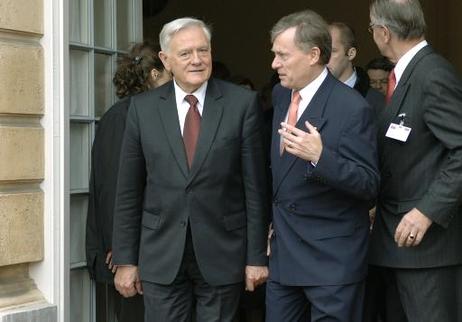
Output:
x,y
176,25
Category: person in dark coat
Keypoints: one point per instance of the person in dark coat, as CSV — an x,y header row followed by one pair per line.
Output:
x,y
137,72
418,230
381,298
344,51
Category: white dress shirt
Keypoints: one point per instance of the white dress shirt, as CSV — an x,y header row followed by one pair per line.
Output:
x,y
307,93
406,59
183,106
351,81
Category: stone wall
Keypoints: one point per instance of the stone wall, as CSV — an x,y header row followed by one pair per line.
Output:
x,y
21,159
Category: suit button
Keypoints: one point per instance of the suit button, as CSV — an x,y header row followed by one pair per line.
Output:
x,y
183,223
292,207
276,202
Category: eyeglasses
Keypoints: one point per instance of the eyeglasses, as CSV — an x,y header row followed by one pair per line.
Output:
x,y
378,82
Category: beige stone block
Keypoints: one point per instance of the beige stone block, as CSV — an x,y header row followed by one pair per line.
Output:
x,y
22,15
21,231
22,78
17,288
21,153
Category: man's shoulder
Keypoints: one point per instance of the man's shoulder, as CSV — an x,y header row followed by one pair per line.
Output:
x,y
116,111
229,89
149,97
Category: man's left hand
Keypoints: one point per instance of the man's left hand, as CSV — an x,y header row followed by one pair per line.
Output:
x,y
412,228
254,276
305,145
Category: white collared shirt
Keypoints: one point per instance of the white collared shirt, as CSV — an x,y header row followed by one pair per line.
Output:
x,y
183,106
307,93
406,59
351,81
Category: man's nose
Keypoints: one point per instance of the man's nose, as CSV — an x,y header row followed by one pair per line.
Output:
x,y
275,64
195,59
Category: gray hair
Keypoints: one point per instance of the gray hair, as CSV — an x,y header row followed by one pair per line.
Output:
x,y
404,18
171,28
311,31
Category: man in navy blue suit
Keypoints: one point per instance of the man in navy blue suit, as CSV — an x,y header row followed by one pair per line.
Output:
x,y
324,163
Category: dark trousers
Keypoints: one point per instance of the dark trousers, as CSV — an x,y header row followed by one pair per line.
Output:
x,y
431,294
111,305
336,303
190,293
382,301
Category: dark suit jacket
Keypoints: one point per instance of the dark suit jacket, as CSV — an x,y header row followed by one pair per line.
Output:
x,y
375,99
424,172
222,197
103,180
320,216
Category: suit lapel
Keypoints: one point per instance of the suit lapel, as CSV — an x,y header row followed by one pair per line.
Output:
x,y
394,108
211,117
280,113
314,114
169,116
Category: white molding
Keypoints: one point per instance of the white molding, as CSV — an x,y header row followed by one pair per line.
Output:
x,y
52,274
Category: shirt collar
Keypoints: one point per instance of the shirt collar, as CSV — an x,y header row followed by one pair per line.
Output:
x,y
310,89
199,93
406,59
351,81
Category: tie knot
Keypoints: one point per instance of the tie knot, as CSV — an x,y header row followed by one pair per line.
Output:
x,y
296,97
191,99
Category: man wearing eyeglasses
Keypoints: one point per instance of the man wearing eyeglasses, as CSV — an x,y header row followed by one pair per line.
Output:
x,y
418,231
378,69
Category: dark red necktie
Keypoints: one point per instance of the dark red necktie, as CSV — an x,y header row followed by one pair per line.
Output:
x,y
192,125
391,86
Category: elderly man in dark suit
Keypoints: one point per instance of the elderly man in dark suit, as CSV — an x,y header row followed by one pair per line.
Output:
x,y
325,174
381,293
190,217
418,231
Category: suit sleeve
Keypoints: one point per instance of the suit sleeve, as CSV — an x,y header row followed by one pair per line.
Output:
x,y
129,196
255,184
353,166
443,116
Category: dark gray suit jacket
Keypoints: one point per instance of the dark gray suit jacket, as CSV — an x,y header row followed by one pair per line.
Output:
x,y
425,171
223,197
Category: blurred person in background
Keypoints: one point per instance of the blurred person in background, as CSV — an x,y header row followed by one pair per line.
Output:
x,y
378,70
137,72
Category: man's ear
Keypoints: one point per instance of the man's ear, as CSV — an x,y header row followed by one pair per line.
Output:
x,y
164,58
315,55
352,53
386,34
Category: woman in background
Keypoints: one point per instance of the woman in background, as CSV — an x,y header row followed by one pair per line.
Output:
x,y
137,72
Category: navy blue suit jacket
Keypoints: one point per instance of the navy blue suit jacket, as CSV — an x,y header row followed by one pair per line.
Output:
x,y
320,214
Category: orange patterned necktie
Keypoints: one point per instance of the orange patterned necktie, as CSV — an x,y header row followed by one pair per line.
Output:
x,y
192,125
293,111
293,108
391,86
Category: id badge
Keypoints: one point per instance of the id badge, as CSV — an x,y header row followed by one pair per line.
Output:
x,y
398,132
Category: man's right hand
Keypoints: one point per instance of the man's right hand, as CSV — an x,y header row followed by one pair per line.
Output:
x,y
127,281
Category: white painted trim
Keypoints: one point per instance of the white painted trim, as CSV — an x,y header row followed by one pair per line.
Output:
x,y
52,274
138,28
